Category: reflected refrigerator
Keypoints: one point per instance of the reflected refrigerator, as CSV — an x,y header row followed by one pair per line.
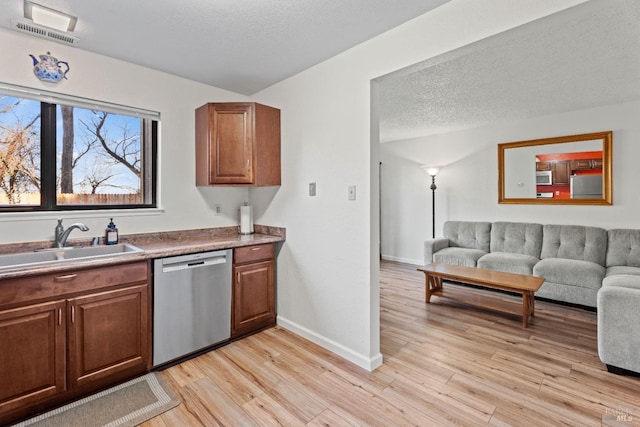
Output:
x,y
586,186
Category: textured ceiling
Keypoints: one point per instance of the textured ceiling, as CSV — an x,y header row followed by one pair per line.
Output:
x,y
582,57
239,45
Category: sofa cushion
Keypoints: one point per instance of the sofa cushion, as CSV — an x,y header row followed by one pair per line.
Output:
x,y
623,247
508,262
622,269
458,256
623,281
570,272
567,293
516,237
575,242
468,234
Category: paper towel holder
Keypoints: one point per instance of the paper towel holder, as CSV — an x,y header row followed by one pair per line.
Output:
x,y
246,219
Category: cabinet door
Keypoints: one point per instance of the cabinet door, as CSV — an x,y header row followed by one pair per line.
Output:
x,y
231,144
108,335
253,297
581,164
543,166
561,172
32,354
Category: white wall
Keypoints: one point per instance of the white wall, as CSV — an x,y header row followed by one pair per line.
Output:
x,y
98,77
468,185
328,270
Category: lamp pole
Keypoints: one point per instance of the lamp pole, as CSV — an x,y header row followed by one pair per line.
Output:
x,y
433,206
432,171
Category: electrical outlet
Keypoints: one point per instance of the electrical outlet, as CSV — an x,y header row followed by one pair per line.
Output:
x,y
352,192
217,209
312,188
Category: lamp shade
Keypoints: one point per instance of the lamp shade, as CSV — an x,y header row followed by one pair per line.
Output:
x,y
431,170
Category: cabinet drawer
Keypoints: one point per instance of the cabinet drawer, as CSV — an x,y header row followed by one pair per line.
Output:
x,y
253,253
46,286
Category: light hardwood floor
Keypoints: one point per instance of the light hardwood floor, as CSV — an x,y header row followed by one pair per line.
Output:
x,y
444,364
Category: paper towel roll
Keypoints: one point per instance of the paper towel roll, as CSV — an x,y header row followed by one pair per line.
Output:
x,y
246,219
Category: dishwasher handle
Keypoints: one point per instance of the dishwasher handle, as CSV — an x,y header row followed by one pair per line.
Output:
x,y
186,265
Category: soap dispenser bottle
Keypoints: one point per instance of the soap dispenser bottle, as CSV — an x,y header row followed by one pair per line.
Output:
x,y
111,234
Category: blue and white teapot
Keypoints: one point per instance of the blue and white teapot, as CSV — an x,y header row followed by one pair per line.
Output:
x,y
49,69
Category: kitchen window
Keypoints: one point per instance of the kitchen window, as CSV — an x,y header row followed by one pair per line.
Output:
x,y
65,153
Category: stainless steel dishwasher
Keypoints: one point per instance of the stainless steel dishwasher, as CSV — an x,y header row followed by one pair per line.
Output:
x,y
191,303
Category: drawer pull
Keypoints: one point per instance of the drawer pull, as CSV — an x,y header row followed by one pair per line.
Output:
x,y
73,314
256,248
59,317
65,277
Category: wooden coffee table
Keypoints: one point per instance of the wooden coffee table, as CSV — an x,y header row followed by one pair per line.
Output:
x,y
525,285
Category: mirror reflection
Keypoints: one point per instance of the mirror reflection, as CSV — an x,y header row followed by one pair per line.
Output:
x,y
573,169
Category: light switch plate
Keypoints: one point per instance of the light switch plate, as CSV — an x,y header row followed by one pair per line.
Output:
x,y
312,188
352,192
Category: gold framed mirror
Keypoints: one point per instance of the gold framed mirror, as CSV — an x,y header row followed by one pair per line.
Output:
x,y
565,170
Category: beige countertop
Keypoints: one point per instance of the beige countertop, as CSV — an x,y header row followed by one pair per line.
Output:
x,y
153,245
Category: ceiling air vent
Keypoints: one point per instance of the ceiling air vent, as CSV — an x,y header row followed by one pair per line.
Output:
x,y
44,32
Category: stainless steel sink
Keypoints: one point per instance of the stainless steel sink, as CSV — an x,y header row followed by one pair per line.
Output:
x,y
56,255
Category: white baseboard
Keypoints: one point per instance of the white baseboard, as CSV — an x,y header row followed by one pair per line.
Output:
x,y
364,362
403,260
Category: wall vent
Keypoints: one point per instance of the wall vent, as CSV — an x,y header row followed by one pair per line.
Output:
x,y
44,32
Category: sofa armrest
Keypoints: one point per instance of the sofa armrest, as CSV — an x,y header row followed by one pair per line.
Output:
x,y
432,246
618,317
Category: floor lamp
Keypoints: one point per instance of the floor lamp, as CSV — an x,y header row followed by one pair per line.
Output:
x,y
432,171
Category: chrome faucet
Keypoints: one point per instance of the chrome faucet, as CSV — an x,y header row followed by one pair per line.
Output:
x,y
61,234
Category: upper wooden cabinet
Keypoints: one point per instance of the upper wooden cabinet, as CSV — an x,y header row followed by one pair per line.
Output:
x,y
237,144
561,172
543,166
582,164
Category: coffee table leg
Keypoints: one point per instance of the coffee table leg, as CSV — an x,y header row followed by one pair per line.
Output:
x,y
437,283
427,287
532,303
528,302
432,283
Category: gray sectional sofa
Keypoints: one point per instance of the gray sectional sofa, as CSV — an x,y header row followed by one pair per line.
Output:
x,y
583,265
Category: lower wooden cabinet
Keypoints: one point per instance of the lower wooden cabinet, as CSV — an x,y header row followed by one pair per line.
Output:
x,y
32,354
253,293
95,333
108,334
